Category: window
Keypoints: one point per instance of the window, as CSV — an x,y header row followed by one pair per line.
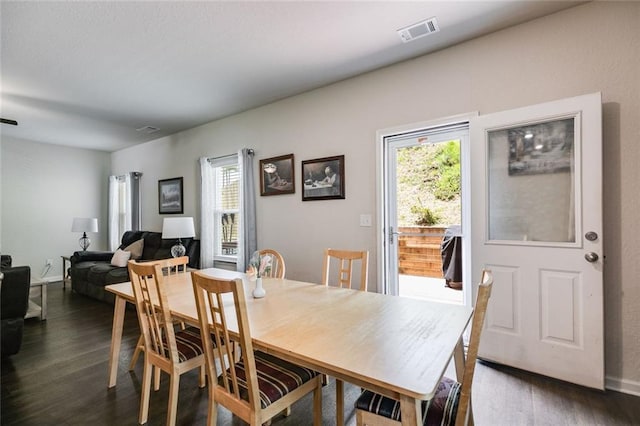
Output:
x,y
124,206
227,209
227,223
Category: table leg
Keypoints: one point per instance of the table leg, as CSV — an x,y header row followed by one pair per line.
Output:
x,y
116,339
410,410
43,302
459,359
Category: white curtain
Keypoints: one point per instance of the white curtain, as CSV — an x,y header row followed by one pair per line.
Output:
x,y
120,208
113,213
247,235
207,213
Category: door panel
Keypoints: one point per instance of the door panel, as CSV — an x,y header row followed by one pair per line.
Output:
x,y
532,207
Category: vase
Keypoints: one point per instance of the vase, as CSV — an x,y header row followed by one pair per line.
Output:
x,y
259,291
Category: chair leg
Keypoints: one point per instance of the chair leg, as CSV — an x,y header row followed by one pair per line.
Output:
x,y
212,414
136,353
173,398
317,404
156,378
146,391
203,380
339,402
470,418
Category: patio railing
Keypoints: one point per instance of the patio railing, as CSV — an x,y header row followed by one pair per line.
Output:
x,y
419,251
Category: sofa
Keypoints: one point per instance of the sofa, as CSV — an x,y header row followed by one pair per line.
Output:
x,y
14,301
91,271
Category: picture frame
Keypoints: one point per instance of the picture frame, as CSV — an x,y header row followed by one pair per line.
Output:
x,y
277,175
541,147
170,199
323,179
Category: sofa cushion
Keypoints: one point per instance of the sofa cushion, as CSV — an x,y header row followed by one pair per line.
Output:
x,y
120,258
135,249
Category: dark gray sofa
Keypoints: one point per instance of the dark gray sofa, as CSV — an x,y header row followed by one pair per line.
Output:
x,y
91,271
14,300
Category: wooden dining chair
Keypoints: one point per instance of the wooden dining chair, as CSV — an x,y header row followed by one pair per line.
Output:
x,y
171,266
278,268
451,404
259,385
174,352
345,259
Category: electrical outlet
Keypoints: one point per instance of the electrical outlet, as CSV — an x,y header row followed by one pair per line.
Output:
x,y
49,262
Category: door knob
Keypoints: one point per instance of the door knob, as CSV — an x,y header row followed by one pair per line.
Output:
x,y
591,257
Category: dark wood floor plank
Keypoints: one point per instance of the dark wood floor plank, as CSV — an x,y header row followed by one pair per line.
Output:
x,y
59,377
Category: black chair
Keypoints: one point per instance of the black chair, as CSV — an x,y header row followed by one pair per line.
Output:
x,y
14,301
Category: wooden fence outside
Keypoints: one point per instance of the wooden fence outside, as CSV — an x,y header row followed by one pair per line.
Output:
x,y
418,254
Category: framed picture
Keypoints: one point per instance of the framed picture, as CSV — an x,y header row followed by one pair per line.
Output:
x,y
170,196
323,178
541,148
277,175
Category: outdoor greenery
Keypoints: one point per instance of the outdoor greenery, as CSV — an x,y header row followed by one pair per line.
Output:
x,y
429,184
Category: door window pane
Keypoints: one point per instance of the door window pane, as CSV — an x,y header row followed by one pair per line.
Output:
x,y
531,182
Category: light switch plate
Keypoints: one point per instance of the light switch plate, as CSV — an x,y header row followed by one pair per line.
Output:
x,y
365,220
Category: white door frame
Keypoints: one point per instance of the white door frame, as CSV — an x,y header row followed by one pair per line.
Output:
x,y
381,238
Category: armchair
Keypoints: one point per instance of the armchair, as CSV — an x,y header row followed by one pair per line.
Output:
x,y
14,301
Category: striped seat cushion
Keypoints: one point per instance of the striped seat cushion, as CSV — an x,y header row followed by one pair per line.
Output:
x,y
441,410
276,378
189,343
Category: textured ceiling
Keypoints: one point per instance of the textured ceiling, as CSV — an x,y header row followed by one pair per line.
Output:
x,y
88,74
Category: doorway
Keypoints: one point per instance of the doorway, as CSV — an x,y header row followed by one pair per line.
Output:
x,y
422,211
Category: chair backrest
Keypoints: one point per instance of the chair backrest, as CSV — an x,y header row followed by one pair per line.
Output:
x,y
346,259
480,310
173,265
214,318
277,263
153,310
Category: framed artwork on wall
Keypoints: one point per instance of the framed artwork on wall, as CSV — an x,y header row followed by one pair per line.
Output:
x,y
323,178
277,175
170,196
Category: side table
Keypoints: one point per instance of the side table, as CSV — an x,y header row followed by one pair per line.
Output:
x,y
66,278
34,309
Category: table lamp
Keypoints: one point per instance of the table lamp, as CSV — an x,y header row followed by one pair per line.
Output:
x,y
178,227
84,225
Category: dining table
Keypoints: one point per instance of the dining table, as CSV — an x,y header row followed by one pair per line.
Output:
x,y
396,346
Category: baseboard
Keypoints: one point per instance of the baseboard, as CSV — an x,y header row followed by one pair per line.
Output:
x,y
622,385
52,279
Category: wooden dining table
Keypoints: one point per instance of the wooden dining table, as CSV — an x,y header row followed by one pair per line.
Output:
x,y
392,345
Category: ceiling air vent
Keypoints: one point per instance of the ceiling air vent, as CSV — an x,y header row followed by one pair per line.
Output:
x,y
418,30
147,129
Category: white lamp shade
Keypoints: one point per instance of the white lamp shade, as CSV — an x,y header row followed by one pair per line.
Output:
x,y
84,224
178,227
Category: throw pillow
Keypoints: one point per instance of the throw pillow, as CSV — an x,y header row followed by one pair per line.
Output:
x,y
135,249
120,258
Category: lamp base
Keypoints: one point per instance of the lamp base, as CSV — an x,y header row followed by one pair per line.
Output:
x,y
84,241
178,250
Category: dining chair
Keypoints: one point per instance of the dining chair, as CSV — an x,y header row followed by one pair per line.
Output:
x,y
259,385
174,352
277,263
451,404
345,259
171,266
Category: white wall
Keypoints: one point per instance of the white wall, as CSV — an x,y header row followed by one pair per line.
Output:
x,y
550,58
43,187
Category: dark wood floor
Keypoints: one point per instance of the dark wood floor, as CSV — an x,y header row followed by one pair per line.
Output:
x,y
59,377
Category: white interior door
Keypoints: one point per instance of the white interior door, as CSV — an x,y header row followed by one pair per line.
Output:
x,y
536,198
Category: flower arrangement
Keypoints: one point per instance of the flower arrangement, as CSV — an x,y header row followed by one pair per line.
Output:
x,y
259,265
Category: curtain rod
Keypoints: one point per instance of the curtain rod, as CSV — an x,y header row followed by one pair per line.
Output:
x,y
210,159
